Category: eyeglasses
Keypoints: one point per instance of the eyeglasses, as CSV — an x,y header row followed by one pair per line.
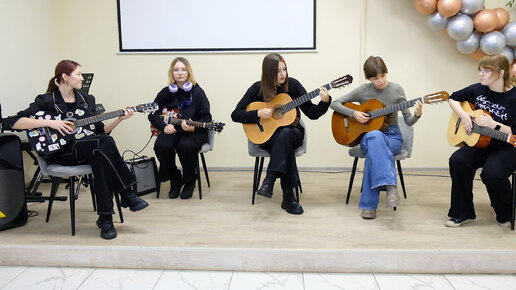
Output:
x,y
484,71
180,70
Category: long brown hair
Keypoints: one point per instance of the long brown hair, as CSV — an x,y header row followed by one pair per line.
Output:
x,y
497,63
270,75
191,77
63,67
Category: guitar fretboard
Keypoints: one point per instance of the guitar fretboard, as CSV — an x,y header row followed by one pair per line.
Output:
x,y
393,108
99,118
175,121
490,132
303,99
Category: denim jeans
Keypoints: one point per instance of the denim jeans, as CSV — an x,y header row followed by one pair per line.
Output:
x,y
379,169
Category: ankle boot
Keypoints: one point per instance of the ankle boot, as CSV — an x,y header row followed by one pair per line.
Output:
x,y
107,229
132,200
289,203
268,184
175,184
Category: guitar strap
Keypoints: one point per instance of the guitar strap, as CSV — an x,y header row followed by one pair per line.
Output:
x,y
83,103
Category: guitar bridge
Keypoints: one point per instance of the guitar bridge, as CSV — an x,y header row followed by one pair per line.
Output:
x,y
346,125
457,125
260,126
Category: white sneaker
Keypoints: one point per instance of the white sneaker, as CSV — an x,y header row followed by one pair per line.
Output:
x,y
368,214
505,224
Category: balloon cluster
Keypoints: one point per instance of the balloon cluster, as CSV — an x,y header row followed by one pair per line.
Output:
x,y
476,30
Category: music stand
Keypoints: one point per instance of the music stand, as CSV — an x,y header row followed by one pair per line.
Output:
x,y
88,78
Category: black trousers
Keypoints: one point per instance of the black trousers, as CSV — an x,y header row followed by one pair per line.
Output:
x,y
187,146
110,172
282,147
498,162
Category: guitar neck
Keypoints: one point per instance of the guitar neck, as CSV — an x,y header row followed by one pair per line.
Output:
x,y
490,133
100,117
303,99
175,121
393,108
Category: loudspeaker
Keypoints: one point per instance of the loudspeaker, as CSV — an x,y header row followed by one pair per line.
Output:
x,y
146,173
13,207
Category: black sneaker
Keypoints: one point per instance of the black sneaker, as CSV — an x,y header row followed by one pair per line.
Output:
x,y
290,204
107,229
267,185
457,222
133,201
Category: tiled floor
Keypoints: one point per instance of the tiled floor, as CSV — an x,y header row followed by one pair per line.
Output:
x,y
99,279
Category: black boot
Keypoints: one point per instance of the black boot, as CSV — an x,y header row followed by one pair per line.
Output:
x,y
289,202
133,201
188,189
175,184
268,184
107,229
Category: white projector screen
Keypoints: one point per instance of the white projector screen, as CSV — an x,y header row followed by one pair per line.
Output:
x,y
216,25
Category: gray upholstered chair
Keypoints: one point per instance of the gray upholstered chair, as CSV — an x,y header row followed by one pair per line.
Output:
x,y
260,154
406,151
57,172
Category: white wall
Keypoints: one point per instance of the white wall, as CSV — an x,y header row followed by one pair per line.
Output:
x,y
348,31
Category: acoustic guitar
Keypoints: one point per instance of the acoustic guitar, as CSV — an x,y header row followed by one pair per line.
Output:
x,y
347,131
479,137
283,113
46,140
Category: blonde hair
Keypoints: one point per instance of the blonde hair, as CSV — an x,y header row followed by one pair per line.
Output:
x,y
191,77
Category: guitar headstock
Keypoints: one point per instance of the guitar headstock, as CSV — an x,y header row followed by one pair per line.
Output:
x,y
213,126
436,97
512,140
342,81
149,107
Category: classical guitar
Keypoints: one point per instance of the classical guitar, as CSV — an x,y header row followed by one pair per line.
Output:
x,y
347,131
46,140
169,119
283,113
479,137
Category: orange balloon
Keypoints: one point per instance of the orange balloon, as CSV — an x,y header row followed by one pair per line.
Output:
x,y
486,20
503,18
448,8
478,54
425,6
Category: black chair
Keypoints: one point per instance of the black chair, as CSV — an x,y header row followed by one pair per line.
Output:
x,y
513,198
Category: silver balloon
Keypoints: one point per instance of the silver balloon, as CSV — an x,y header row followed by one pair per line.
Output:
x,y
471,7
437,22
509,31
492,42
507,51
470,44
460,27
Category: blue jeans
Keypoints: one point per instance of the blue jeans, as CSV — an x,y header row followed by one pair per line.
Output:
x,y
379,168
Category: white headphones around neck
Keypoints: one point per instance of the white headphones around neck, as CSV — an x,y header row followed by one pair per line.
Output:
x,y
186,87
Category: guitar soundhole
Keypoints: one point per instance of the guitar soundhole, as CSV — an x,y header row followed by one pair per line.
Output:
x,y
277,113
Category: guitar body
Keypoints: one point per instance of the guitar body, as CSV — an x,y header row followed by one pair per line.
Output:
x,y
457,135
347,131
260,135
46,140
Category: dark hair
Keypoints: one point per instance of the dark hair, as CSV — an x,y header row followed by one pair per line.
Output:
x,y
497,63
374,66
270,75
63,67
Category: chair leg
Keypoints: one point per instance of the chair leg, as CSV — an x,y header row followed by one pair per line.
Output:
x,y
513,199
92,190
205,169
56,181
400,172
299,183
351,178
197,169
71,184
119,207
256,177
